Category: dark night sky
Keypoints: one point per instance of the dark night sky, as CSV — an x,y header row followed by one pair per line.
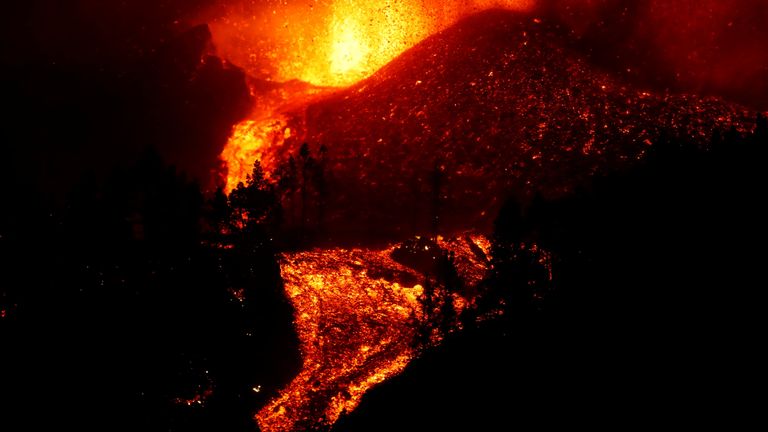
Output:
x,y
712,47
89,83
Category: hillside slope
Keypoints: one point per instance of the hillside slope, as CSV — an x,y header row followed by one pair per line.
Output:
x,y
494,105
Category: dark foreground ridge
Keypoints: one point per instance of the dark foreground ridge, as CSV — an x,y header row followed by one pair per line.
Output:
x,y
654,313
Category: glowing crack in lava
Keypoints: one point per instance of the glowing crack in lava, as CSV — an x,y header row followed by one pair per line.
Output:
x,y
357,313
325,44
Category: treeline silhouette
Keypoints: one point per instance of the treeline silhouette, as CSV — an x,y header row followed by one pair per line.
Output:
x,y
301,183
138,303
649,308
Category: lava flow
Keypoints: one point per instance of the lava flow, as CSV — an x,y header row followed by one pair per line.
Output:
x,y
358,312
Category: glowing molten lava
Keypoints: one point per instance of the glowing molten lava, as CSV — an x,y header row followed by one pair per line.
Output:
x,y
355,331
250,141
357,313
327,45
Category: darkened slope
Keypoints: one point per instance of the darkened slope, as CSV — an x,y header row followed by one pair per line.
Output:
x,y
493,104
653,313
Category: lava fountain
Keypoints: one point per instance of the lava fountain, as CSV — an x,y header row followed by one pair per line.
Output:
x,y
327,45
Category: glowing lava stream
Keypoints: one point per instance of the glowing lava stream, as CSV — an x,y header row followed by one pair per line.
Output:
x,y
357,313
355,331
326,44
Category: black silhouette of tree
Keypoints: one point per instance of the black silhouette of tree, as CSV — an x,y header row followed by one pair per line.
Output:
x,y
307,165
451,281
436,183
428,301
219,211
761,130
286,188
321,185
254,202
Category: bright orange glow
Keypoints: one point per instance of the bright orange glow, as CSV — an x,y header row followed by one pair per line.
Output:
x,y
348,52
333,43
250,141
354,331
328,44
357,313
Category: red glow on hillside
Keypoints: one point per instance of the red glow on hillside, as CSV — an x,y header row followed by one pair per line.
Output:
x,y
327,45
709,48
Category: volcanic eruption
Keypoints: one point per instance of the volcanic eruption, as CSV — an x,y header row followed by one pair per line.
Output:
x,y
317,214
496,104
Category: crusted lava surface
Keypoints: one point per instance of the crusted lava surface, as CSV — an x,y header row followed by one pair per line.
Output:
x,y
495,105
